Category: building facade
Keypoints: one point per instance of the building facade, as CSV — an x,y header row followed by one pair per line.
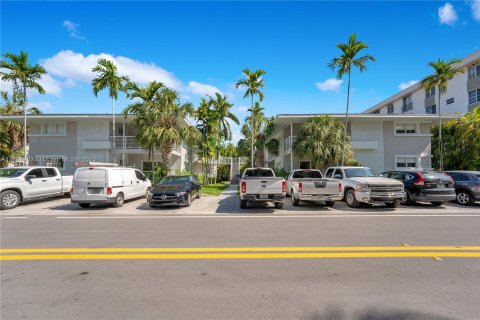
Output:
x,y
462,96
381,142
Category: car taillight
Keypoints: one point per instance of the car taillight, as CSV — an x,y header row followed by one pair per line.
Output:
x,y
284,186
449,177
71,190
300,187
421,180
339,187
244,186
109,190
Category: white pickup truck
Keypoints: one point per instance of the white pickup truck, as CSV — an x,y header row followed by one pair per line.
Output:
x,y
309,185
261,185
25,183
360,185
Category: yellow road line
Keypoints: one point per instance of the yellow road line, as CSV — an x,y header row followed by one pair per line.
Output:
x,y
188,256
247,249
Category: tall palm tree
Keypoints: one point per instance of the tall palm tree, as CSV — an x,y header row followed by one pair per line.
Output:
x,y
221,108
23,76
108,78
253,82
344,63
444,71
145,112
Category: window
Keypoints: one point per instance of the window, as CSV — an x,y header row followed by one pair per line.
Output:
x,y
51,161
405,162
405,128
390,108
139,175
258,173
431,109
450,101
461,177
474,96
329,173
407,104
38,173
54,129
430,93
338,174
304,164
51,172
376,112
474,71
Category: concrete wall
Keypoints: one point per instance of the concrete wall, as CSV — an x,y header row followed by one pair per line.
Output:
x,y
367,133
93,130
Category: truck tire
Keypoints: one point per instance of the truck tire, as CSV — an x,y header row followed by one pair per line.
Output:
x,y
437,203
393,204
119,200
279,205
408,199
329,204
295,201
351,200
243,204
84,205
9,199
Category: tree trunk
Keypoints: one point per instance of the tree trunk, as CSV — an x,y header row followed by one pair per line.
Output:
x,y
25,124
166,152
113,126
346,122
253,133
440,142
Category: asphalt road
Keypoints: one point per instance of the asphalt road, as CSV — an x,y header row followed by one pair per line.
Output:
x,y
282,281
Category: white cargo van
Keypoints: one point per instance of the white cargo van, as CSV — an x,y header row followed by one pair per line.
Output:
x,y
108,185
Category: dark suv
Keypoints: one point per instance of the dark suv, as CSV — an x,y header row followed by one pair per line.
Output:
x,y
467,186
428,186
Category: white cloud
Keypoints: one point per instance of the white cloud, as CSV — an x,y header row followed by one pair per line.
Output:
x,y
77,67
42,105
240,109
331,84
72,28
202,89
447,14
405,85
51,85
475,5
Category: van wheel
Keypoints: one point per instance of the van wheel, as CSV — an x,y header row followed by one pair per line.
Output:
x,y
189,200
243,204
119,200
279,205
393,204
9,199
329,204
295,201
351,200
437,203
84,205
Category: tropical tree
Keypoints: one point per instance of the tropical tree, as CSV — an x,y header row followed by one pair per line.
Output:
x,y
108,78
320,139
222,114
343,64
444,71
145,111
17,70
253,82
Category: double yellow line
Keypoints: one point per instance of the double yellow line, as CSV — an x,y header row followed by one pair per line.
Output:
x,y
436,252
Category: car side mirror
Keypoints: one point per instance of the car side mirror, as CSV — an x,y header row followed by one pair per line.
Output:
x,y
28,177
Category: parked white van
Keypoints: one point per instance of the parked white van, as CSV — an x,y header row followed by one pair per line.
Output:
x,y
92,185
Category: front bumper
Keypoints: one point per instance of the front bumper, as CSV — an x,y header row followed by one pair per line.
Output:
x,y
372,197
260,197
156,200
320,197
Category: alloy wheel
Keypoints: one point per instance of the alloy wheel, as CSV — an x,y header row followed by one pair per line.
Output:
x,y
463,198
9,200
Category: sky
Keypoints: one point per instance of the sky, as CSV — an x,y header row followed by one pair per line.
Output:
x,y
200,48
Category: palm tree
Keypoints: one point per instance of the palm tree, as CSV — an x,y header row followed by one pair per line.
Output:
x,y
444,71
254,84
320,139
221,109
344,64
107,77
145,113
23,76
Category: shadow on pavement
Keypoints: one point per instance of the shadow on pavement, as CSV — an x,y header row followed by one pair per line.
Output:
x,y
172,206
375,314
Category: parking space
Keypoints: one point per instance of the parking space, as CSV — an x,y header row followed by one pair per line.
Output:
x,y
226,203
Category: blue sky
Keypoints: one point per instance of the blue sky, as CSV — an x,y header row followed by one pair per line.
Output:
x,y
201,47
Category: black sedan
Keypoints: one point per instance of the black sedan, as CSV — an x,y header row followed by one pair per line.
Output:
x,y
427,186
179,190
467,186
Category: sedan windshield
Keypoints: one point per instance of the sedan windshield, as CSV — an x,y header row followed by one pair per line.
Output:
x,y
358,172
12,172
175,180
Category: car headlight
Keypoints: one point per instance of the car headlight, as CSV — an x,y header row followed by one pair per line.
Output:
x,y
180,194
362,187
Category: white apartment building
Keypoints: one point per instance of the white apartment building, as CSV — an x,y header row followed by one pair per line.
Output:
x,y
63,139
462,95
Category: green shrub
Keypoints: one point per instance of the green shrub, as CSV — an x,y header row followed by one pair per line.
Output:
x,y
354,163
280,172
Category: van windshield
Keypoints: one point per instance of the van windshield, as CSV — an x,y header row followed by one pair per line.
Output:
x,y
12,172
91,174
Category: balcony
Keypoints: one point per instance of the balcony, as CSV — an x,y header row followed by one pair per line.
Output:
x,y
130,143
407,107
288,144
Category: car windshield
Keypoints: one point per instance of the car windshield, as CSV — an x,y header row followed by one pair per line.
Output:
x,y
12,172
258,173
358,172
175,180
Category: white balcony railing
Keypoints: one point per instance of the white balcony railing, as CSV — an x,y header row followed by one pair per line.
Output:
x,y
288,143
131,143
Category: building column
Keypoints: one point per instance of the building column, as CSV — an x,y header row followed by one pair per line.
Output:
x,y
291,146
123,143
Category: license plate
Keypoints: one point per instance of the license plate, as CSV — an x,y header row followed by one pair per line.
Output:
x,y
95,190
440,186
263,196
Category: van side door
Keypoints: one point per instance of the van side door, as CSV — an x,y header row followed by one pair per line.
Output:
x,y
128,187
140,183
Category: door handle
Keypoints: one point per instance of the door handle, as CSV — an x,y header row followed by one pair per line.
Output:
x,y
138,181
44,180
58,179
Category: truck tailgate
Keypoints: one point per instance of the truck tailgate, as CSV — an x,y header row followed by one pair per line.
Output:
x,y
266,185
319,186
